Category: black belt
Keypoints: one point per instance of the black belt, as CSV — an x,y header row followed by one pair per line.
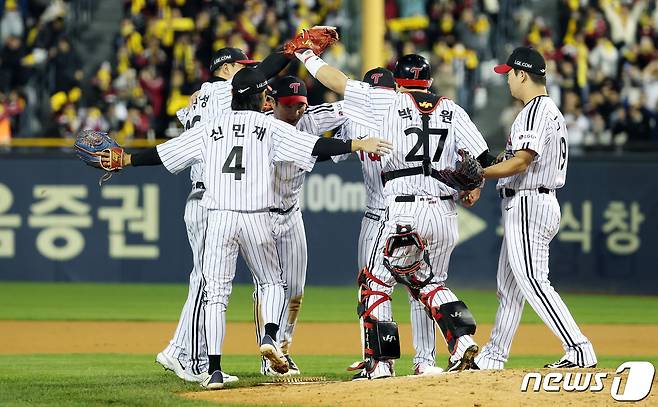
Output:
x,y
508,192
408,172
412,198
282,211
198,185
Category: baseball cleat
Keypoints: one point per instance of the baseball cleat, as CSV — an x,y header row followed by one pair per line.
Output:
x,y
171,364
466,362
564,363
293,370
424,369
382,370
270,350
215,381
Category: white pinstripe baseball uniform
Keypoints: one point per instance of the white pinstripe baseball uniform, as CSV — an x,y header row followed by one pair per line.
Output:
x,y
290,235
238,149
422,326
188,344
429,206
531,218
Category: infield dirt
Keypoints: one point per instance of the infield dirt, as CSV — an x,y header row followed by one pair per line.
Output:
x,y
310,338
469,388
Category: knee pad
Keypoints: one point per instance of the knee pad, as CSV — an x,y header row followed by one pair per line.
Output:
x,y
382,339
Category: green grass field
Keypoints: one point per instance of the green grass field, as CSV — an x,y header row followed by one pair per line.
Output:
x,y
162,302
135,380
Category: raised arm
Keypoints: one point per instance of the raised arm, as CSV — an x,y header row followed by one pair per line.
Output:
x,y
329,76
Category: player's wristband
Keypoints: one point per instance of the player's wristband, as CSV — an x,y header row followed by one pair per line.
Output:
x,y
312,62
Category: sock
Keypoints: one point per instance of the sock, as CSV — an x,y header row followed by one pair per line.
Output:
x,y
214,363
271,330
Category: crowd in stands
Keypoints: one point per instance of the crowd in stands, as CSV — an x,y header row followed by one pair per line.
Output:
x,y
602,62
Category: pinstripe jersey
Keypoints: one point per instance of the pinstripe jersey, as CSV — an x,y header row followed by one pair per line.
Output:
x,y
289,178
212,99
398,119
371,164
238,149
539,127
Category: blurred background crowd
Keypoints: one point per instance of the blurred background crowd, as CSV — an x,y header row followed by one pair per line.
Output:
x,y
127,66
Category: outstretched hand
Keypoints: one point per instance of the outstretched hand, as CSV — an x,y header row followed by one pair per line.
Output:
x,y
373,145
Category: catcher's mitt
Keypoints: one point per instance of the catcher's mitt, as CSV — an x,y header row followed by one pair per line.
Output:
x,y
317,39
467,174
88,146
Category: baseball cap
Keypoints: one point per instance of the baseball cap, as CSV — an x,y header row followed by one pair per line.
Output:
x,y
380,78
288,90
526,59
230,55
249,81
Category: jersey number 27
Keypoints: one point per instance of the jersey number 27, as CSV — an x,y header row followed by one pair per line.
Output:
x,y
413,154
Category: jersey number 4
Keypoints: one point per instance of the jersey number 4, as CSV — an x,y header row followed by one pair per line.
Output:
x,y
413,154
233,163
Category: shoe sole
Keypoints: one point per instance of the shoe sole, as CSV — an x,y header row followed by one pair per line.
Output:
x,y
277,363
214,386
467,360
164,364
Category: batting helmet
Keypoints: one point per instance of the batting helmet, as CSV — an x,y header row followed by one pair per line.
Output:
x,y
413,70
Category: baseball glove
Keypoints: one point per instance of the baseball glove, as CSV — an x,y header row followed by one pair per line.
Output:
x,y
467,174
88,146
317,39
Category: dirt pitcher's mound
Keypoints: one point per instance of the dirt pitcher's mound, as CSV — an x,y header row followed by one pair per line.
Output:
x,y
470,388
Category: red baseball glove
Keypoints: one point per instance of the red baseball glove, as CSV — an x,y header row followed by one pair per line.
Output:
x,y
317,39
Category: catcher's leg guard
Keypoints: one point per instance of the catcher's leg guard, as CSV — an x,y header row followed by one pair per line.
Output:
x,y
381,338
454,318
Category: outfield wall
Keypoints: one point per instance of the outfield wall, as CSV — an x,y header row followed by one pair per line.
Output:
x,y
56,224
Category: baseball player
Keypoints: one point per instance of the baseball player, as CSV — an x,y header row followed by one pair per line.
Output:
x,y
289,104
534,166
422,326
428,131
238,148
186,353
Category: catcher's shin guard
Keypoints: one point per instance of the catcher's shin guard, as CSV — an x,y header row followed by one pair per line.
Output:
x,y
381,338
454,318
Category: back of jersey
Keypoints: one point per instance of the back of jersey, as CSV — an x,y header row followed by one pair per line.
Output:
x,y
213,99
439,133
371,164
238,159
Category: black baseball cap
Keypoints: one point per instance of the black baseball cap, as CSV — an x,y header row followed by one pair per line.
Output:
x,y
230,55
289,90
249,81
526,59
380,78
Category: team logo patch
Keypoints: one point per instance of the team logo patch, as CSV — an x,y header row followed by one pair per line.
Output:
x,y
416,71
527,136
295,87
426,105
375,77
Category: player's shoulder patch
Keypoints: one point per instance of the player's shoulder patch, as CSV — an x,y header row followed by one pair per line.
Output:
x,y
425,102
